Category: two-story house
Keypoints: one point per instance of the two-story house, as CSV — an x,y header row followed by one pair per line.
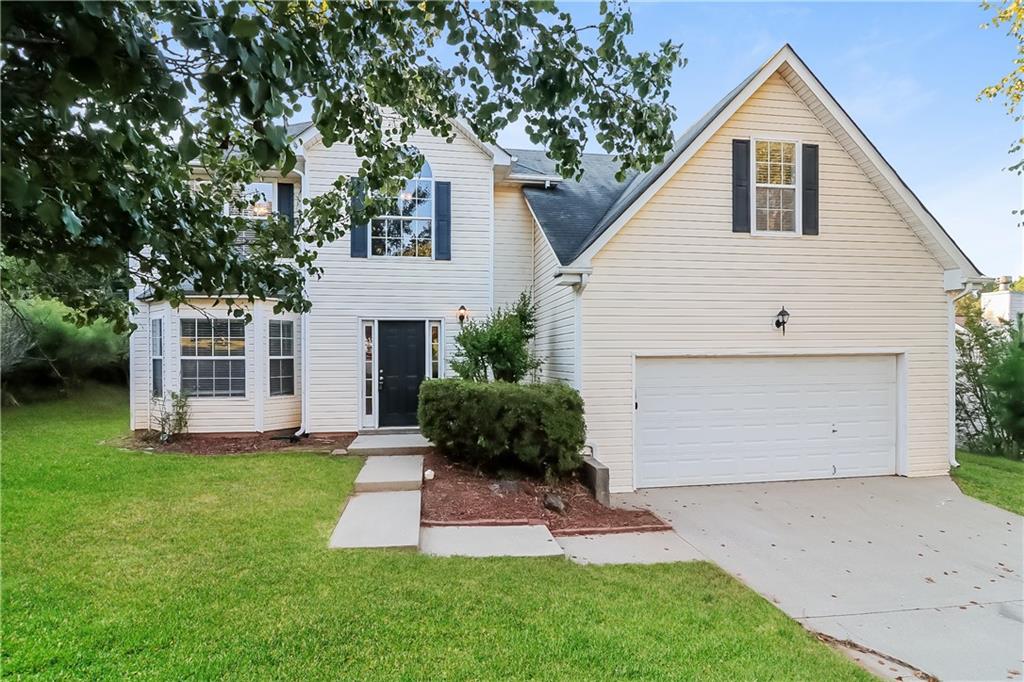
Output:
x,y
770,302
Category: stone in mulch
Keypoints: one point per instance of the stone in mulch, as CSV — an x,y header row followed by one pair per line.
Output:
x,y
458,495
629,548
488,541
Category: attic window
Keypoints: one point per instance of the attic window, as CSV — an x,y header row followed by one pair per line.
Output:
x,y
775,182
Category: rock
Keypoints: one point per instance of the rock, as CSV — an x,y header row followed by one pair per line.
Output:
x,y
554,503
428,475
503,488
339,451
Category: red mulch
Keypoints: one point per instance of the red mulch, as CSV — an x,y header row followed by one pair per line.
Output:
x,y
460,495
207,444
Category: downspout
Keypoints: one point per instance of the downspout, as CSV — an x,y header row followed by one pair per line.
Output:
x,y
304,348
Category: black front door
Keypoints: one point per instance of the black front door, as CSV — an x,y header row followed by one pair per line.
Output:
x,y
401,366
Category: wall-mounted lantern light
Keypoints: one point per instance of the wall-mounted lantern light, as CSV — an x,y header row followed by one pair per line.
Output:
x,y
781,318
462,314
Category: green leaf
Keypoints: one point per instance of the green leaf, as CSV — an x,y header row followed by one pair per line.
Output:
x,y
71,222
245,27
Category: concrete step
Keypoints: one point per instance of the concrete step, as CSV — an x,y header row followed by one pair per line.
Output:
x,y
382,444
398,472
485,541
381,519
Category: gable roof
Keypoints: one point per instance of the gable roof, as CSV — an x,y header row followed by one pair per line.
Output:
x,y
581,241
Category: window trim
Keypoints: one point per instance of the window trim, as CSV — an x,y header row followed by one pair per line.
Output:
x,y
159,319
433,224
280,356
798,226
244,357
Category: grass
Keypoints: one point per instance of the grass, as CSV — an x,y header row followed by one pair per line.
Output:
x,y
119,564
992,479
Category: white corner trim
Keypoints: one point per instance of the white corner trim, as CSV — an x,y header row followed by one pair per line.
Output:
x,y
260,358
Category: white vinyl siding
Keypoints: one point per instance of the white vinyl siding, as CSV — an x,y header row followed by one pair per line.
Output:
x,y
555,342
356,289
513,245
677,280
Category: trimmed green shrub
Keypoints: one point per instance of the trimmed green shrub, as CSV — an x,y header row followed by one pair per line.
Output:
x,y
535,427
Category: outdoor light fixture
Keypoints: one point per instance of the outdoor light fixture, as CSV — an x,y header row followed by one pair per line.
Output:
x,y
463,314
781,318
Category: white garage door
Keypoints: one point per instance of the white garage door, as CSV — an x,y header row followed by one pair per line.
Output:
x,y
736,420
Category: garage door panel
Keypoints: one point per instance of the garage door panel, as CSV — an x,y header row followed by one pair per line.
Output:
x,y
727,420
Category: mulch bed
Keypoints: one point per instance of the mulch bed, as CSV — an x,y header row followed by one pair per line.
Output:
x,y
204,444
461,496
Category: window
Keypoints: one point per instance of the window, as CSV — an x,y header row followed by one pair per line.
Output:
x,y
408,228
368,369
282,357
435,350
775,196
259,197
213,358
156,345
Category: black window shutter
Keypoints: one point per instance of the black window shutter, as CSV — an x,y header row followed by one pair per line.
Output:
x,y
357,233
741,185
443,221
286,200
809,190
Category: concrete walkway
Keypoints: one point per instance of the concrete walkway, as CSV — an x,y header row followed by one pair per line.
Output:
x,y
385,443
628,548
488,541
384,511
908,567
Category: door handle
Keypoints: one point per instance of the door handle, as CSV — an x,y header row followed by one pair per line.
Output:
x,y
380,379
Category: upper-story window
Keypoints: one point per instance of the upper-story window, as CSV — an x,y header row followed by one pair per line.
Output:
x,y
408,228
775,183
259,200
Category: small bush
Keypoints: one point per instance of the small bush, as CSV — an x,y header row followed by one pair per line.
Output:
x,y
536,427
499,347
171,415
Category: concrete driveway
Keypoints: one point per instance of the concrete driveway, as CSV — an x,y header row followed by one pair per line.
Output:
x,y
908,567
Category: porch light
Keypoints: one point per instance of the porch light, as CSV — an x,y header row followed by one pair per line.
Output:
x,y
781,318
462,314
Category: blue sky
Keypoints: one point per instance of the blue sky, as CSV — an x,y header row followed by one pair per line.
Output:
x,y
908,74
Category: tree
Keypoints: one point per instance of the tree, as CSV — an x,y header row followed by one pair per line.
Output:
x,y
980,345
108,108
1010,15
499,347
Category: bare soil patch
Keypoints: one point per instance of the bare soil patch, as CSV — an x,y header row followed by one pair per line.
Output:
x,y
206,444
460,495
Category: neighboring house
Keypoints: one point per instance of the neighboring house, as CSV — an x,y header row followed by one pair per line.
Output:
x,y
1003,304
657,297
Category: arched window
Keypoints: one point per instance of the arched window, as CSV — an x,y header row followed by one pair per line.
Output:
x,y
408,229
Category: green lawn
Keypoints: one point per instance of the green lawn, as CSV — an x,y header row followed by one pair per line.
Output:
x,y
120,564
995,480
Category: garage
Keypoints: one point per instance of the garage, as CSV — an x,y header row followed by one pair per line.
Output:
x,y
749,419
